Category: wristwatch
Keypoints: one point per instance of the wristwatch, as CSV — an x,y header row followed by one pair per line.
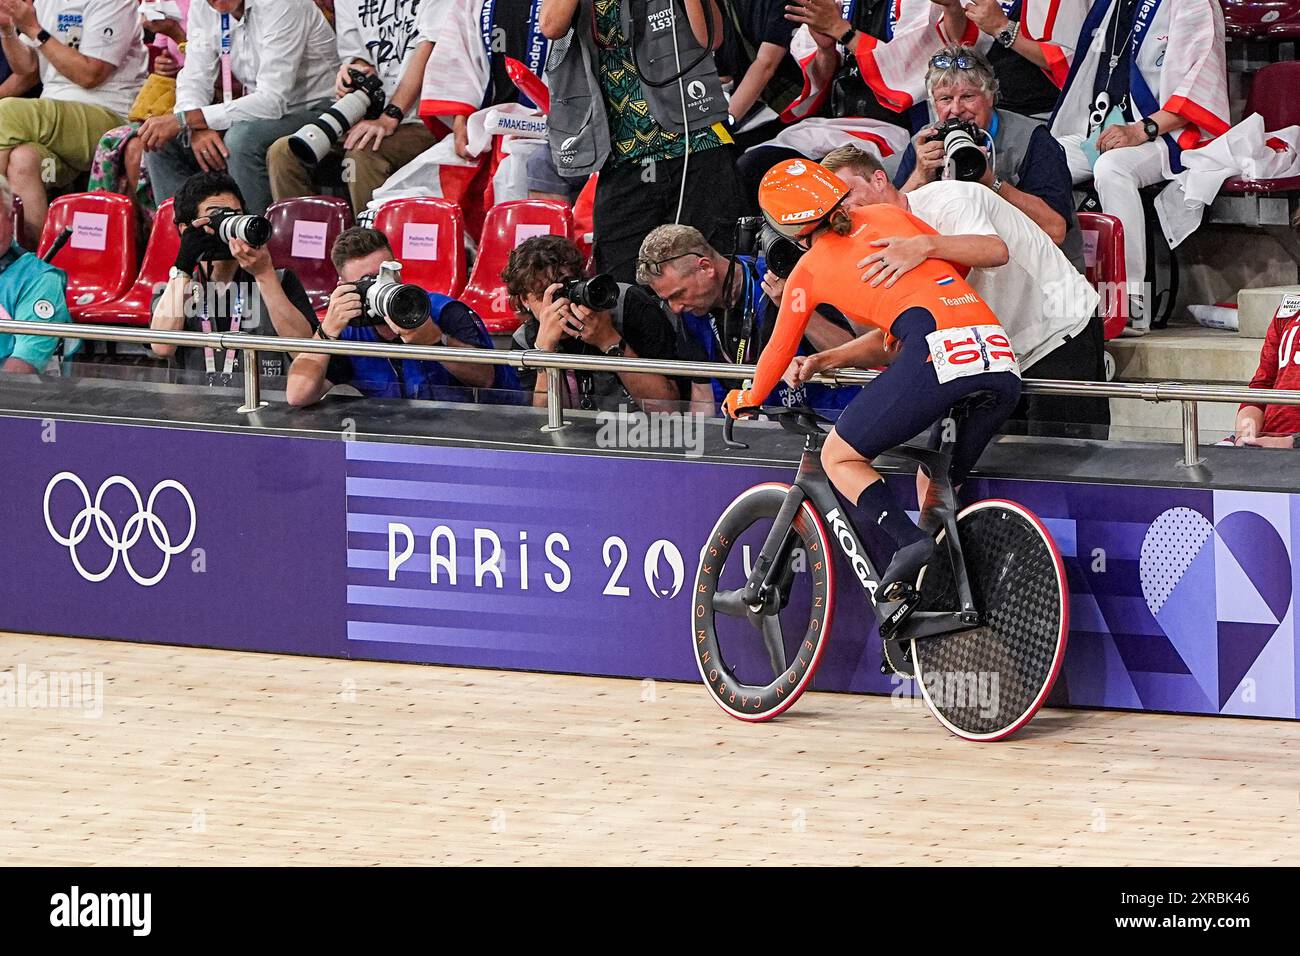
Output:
x,y
996,185
42,36
848,36
1151,128
394,112
175,273
444,340
616,350
1008,36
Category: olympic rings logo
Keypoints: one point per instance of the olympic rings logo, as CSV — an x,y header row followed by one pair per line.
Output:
x,y
119,544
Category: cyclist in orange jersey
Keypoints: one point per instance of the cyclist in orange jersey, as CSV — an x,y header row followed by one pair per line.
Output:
x,y
948,344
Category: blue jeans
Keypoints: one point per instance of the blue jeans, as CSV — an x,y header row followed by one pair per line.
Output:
x,y
247,142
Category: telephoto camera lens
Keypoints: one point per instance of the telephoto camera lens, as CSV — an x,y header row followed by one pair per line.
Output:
x,y
228,225
780,254
406,306
599,292
313,142
960,151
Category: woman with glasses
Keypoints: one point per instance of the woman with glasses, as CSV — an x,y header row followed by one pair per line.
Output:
x,y
949,346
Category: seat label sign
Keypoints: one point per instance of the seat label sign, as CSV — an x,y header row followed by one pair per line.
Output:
x,y
89,231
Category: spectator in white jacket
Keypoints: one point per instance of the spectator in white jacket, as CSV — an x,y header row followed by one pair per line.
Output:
x,y
282,54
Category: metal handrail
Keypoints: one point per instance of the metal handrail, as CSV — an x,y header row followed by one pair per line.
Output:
x,y
1189,394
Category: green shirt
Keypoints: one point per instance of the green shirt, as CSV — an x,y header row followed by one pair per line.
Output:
x,y
634,133
31,290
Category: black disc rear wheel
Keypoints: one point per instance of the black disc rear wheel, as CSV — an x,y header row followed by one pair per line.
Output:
x,y
986,683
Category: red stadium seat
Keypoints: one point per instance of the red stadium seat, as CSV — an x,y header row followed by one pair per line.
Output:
x,y
1107,271
1273,95
136,307
507,225
100,257
428,237
584,214
1261,19
304,232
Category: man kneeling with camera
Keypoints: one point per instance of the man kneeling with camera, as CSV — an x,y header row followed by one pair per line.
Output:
x,y
371,304
223,281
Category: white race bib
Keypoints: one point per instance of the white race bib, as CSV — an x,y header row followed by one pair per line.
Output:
x,y
973,350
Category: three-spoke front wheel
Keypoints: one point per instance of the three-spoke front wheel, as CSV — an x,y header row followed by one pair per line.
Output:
x,y
756,664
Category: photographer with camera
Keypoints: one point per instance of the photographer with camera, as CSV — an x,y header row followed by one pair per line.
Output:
x,y
223,281
1022,162
728,306
562,312
371,304
384,50
281,52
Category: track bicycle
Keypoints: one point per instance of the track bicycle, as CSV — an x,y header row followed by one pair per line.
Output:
x,y
983,634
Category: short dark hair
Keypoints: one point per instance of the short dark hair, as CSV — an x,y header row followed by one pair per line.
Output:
x,y
536,263
200,187
356,243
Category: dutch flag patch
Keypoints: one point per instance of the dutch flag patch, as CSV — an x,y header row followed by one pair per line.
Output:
x,y
946,280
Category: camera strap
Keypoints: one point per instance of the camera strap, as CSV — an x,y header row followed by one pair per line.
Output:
x,y
749,312
209,353
227,84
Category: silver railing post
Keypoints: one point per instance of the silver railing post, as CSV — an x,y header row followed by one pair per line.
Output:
x,y
1191,435
252,384
554,400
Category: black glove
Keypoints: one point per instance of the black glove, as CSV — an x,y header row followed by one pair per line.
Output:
x,y
194,246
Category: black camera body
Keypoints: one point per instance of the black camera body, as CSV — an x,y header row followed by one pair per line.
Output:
x,y
961,148
754,237
364,100
231,224
385,296
599,293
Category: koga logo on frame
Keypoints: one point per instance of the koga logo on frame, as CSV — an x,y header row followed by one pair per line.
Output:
x,y
76,909
92,516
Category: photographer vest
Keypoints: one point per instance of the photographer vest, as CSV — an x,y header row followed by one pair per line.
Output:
x,y
662,43
1011,140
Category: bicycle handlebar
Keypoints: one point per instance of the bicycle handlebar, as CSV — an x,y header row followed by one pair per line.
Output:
x,y
801,414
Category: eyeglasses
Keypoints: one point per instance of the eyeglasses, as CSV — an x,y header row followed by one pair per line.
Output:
x,y
942,61
656,269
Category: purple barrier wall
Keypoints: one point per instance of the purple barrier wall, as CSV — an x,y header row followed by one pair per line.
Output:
x,y
1181,599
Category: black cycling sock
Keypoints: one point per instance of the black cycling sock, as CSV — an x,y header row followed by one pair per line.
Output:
x,y
877,507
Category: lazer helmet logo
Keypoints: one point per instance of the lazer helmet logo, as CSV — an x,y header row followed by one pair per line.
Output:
x,y
850,548
802,216
92,516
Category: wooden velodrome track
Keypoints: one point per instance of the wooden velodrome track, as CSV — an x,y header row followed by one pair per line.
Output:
x,y
219,757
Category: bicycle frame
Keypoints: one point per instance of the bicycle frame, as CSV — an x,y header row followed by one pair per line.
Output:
x,y
812,484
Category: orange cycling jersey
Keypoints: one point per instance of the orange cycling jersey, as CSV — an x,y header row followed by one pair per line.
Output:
x,y
828,274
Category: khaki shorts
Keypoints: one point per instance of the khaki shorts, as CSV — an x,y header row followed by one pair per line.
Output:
x,y
63,132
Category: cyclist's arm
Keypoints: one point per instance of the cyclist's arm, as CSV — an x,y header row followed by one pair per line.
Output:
x,y
796,307
868,350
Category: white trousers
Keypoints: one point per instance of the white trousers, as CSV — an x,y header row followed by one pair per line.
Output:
x,y
1118,176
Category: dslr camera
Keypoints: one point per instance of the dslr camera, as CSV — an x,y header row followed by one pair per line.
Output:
x,y
365,100
230,224
963,158
754,237
599,293
385,296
